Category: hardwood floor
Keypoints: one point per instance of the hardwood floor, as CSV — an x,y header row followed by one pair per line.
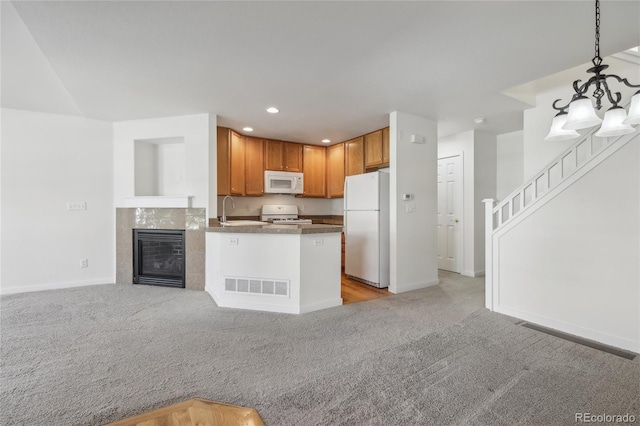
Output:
x,y
354,291
195,412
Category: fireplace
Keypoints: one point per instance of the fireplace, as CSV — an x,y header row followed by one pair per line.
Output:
x,y
159,257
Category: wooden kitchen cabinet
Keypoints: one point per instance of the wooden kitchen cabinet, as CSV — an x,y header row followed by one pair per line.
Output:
x,y
385,146
335,171
223,166
354,156
285,156
293,157
240,164
314,161
273,155
254,166
373,149
236,161
230,162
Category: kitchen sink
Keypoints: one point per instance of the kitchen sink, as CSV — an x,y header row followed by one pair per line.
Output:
x,y
242,223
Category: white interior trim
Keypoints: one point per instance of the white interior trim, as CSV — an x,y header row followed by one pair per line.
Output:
x,y
55,286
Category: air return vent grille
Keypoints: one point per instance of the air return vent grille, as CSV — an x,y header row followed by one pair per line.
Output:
x,y
261,286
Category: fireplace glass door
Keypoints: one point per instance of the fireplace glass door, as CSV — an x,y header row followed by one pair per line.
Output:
x,y
159,257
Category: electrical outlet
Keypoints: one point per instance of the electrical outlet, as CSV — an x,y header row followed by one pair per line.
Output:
x,y
317,242
233,241
410,208
76,205
84,263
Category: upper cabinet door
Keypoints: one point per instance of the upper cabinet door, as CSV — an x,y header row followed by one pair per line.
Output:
x,y
335,171
385,146
354,156
292,157
373,149
237,156
273,153
314,171
224,168
254,166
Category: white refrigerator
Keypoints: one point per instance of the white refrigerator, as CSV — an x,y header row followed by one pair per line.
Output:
x,y
366,228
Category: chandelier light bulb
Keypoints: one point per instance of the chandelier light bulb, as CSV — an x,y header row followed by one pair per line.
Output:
x,y
557,133
581,115
613,123
634,110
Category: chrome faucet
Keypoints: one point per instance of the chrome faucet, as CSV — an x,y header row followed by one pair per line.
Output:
x,y
224,207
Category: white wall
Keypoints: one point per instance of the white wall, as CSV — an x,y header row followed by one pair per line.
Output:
x,y
47,161
509,163
413,235
171,168
212,178
146,168
198,142
574,264
251,206
484,186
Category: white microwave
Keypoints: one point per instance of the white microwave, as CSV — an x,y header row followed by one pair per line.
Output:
x,y
283,182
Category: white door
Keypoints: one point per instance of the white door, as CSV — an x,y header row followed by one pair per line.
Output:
x,y
449,213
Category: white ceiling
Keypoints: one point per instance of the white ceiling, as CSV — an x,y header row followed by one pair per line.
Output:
x,y
335,69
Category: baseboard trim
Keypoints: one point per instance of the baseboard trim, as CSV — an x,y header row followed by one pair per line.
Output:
x,y
257,306
607,339
323,304
473,274
412,286
55,286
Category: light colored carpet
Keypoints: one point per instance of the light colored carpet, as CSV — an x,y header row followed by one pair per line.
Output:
x,y
91,355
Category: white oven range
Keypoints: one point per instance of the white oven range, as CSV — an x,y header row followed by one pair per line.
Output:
x,y
282,214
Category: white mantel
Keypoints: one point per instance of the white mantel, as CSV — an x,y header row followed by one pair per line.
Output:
x,y
164,201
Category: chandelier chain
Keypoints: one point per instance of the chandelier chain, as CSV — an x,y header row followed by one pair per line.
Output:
x,y
597,60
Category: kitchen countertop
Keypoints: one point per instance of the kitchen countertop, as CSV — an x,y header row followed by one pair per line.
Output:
x,y
319,220
276,229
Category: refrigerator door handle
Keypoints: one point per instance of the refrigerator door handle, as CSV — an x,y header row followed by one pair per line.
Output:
x,y
344,196
344,224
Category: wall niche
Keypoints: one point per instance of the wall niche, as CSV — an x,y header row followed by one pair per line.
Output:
x,y
159,167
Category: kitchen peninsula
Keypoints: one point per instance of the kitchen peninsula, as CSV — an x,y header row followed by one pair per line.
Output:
x,y
277,268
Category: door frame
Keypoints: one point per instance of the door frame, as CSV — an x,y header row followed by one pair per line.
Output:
x,y
460,235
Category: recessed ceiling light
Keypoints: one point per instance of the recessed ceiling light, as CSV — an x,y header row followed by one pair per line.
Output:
x,y
248,129
326,140
273,110
479,121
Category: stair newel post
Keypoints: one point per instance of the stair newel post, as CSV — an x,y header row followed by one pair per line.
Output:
x,y
489,205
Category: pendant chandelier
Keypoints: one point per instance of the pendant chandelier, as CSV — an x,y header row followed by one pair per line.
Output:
x,y
581,113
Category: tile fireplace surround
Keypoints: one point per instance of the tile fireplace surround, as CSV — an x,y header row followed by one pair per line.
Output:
x,y
193,221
